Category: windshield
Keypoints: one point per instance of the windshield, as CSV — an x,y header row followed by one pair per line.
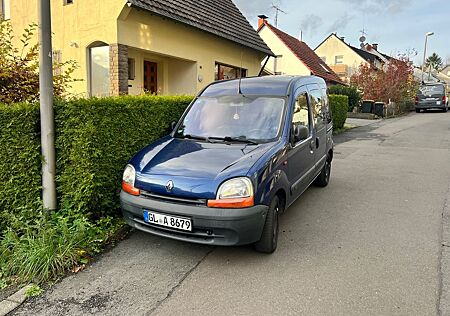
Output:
x,y
234,117
429,90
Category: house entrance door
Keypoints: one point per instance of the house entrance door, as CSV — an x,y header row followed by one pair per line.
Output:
x,y
151,77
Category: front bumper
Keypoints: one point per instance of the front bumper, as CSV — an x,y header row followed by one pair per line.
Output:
x,y
212,226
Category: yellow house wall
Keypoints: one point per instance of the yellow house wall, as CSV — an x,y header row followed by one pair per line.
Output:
x,y
289,64
165,38
75,27
333,47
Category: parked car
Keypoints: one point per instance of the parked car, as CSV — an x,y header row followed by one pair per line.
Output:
x,y
240,155
432,96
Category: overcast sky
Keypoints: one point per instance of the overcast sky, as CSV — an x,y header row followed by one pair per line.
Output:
x,y
398,26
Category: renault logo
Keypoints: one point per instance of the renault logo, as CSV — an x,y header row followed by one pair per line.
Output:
x,y
169,186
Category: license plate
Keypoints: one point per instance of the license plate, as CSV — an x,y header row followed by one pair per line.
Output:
x,y
438,102
176,222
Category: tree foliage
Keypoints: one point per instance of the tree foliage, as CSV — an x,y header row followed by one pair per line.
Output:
x,y
435,61
19,67
394,82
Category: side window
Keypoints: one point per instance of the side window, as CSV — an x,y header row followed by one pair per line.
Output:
x,y
326,106
319,111
301,112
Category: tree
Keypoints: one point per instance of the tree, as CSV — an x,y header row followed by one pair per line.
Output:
x,y
434,61
394,82
19,68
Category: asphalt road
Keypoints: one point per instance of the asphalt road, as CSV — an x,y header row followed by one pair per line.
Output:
x,y
368,244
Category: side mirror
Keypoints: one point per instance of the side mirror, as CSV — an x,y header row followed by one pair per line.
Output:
x,y
173,125
301,132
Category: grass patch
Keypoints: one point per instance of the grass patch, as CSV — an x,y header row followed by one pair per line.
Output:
x,y
346,127
52,246
34,290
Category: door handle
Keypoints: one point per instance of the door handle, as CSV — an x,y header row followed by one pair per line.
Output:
x,y
317,142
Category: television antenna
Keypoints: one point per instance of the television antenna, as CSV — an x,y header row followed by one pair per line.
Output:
x,y
363,38
277,10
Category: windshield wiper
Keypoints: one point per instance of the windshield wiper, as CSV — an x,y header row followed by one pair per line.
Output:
x,y
241,139
195,137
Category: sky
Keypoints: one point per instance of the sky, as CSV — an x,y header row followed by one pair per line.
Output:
x,y
398,26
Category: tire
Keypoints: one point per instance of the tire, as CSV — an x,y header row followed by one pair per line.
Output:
x,y
444,109
269,237
324,177
417,110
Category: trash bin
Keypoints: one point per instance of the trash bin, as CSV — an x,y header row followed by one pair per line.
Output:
x,y
378,109
367,106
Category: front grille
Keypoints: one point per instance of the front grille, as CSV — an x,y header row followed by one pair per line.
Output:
x,y
173,199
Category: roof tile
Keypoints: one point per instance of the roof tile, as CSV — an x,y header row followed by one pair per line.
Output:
x,y
303,52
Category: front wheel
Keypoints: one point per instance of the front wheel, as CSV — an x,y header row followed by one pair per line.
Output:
x,y
324,177
269,237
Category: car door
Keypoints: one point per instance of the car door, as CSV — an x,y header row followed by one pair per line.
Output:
x,y
320,127
301,153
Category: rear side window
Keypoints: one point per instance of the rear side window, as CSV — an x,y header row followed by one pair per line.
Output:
x,y
319,106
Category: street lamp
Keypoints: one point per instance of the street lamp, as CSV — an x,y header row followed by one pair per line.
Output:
x,y
425,52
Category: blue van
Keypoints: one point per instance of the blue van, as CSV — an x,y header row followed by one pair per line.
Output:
x,y
240,155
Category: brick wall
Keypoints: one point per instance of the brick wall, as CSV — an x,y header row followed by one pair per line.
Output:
x,y
118,60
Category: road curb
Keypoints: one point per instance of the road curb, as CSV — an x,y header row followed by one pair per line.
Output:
x,y
13,301
444,268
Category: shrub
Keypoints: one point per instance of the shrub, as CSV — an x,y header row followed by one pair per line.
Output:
x,y
354,96
20,164
95,140
19,73
339,106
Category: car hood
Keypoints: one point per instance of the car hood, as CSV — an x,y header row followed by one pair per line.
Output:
x,y
196,168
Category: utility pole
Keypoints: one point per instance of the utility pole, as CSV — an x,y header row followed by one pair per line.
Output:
x,y
425,52
277,10
46,106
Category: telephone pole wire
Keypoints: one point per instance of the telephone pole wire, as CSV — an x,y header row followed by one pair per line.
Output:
x,y
46,106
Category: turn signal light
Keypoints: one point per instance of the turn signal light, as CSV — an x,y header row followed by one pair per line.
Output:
x,y
127,187
444,99
232,203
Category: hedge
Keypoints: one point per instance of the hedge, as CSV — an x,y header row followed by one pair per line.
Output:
x,y
339,106
354,96
20,163
94,140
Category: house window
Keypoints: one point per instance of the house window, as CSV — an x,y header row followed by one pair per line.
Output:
x,y
338,59
99,74
57,60
224,72
5,9
131,69
66,2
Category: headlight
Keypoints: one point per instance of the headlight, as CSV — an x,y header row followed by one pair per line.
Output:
x,y
234,193
235,188
129,176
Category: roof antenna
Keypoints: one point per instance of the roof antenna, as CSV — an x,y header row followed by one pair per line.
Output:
x,y
240,75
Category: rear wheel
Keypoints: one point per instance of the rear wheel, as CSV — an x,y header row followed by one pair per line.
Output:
x,y
269,237
324,177
417,110
444,109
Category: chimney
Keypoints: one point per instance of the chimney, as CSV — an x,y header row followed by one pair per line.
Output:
x,y
375,46
262,19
